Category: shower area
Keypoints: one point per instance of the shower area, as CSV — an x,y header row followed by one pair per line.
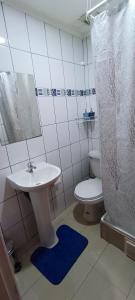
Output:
x,y
113,41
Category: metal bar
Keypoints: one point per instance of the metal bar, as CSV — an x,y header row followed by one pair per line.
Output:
x,y
90,11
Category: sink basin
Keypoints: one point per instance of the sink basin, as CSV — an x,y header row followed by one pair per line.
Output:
x,y
45,174
37,184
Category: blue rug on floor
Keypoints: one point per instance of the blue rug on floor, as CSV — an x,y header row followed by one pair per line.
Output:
x,y
56,262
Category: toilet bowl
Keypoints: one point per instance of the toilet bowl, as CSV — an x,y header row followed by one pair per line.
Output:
x,y
89,192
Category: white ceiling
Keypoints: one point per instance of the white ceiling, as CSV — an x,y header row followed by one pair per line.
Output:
x,y
64,13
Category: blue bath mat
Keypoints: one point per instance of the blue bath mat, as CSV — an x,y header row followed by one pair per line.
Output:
x,y
56,262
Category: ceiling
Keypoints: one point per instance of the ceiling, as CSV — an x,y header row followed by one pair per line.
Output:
x,y
63,13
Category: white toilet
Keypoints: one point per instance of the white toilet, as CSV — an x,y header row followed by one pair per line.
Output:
x,y
89,192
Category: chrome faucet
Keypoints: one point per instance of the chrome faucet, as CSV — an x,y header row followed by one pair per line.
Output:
x,y
31,167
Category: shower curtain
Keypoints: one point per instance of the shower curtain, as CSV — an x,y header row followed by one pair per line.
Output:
x,y
113,35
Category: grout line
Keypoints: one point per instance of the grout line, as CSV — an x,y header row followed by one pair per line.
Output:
x,y
35,85
92,267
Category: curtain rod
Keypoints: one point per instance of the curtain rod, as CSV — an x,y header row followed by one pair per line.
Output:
x,y
90,11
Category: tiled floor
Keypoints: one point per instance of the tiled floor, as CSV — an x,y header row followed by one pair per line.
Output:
x,y
101,272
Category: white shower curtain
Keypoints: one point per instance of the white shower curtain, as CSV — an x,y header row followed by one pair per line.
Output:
x,y
113,35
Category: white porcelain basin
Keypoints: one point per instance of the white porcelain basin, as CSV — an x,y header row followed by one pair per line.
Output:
x,y
45,174
38,184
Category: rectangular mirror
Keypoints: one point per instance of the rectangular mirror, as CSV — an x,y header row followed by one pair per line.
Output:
x,y
19,118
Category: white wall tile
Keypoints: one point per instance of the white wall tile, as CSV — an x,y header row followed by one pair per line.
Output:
x,y
91,74
39,159
68,178
78,50
53,41
46,109
5,59
77,173
36,146
69,196
50,137
84,148
69,74
3,157
83,131
54,158
57,189
37,36
2,26
59,204
63,134
5,189
67,46
79,77
42,71
96,144
72,108
82,105
57,75
17,152
85,50
85,168
87,81
17,30
60,109
65,156
95,129
74,131
17,234
9,213
19,166
94,104
76,154
22,61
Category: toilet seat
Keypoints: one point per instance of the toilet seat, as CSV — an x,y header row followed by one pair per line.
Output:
x,y
89,191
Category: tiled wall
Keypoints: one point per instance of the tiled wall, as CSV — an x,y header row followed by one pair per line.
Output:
x,y
53,57
93,129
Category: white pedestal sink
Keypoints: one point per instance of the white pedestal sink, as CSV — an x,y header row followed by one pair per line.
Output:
x,y
37,184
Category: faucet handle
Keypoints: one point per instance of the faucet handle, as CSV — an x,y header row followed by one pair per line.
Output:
x,y
30,165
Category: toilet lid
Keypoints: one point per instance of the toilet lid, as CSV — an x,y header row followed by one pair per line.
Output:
x,y
89,189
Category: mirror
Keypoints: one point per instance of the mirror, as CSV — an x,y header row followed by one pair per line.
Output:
x,y
19,119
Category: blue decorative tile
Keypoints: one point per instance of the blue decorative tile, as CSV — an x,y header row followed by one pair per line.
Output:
x,y
53,92
68,92
64,92
93,91
36,91
58,92
81,92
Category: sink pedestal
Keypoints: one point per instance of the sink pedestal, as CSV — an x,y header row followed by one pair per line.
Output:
x,y
41,206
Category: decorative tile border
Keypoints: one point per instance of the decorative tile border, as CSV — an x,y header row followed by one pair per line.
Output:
x,y
64,92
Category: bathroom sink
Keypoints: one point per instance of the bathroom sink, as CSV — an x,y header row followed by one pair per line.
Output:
x,y
44,174
37,183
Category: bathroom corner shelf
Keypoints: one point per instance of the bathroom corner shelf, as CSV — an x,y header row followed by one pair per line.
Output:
x,y
82,120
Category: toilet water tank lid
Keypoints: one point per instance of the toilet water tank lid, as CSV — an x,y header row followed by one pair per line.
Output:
x,y
94,154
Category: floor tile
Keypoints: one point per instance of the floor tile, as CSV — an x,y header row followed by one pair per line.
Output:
x,y
30,295
64,291
27,276
117,267
131,297
132,293
95,248
96,287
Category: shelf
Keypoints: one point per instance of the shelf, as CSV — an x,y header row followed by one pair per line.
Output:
x,y
82,120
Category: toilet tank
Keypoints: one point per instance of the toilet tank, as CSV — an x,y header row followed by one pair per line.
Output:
x,y
94,157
